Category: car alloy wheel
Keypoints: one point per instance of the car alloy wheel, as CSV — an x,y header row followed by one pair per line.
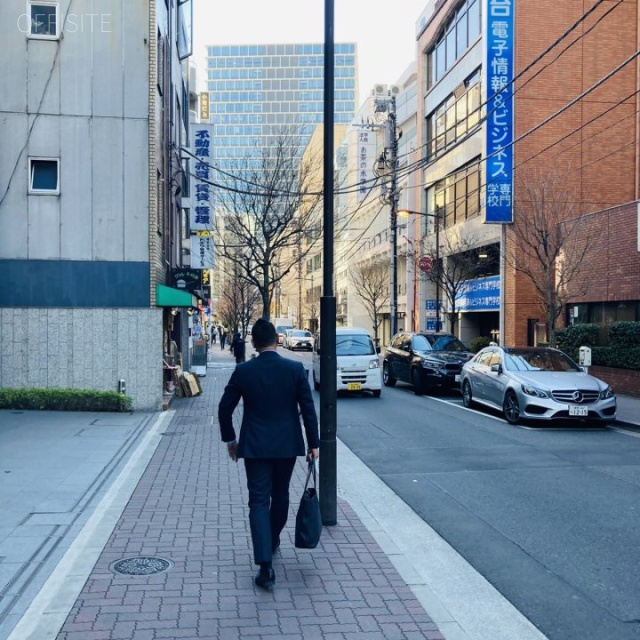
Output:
x,y
511,408
387,378
467,397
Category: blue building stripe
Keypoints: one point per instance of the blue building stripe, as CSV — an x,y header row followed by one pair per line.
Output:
x,y
74,283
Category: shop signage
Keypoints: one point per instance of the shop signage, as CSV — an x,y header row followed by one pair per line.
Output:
x,y
202,250
499,128
187,279
366,155
204,105
481,294
201,177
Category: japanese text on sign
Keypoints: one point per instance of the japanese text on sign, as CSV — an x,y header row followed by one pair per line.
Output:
x,y
201,190
499,146
366,152
481,294
202,256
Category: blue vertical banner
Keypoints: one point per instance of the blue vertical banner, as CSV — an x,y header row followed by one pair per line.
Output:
x,y
499,148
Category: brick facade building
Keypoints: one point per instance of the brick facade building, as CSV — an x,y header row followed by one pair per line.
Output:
x,y
573,82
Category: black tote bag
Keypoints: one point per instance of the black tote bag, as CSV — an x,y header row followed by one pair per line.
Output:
x,y
308,518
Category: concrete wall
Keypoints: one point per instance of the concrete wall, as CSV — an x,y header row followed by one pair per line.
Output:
x,y
84,349
83,99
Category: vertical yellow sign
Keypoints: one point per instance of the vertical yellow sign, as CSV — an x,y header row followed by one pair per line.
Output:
x,y
204,106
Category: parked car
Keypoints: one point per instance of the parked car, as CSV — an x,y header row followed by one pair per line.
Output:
x,y
428,361
537,383
358,365
298,339
281,329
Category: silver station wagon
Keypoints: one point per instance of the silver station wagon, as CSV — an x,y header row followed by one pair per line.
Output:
x,y
535,383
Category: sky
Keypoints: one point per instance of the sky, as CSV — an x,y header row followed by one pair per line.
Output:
x,y
384,32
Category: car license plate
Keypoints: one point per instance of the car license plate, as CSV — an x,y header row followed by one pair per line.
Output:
x,y
458,378
578,411
354,386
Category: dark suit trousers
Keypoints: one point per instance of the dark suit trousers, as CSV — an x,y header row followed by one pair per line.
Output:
x,y
268,483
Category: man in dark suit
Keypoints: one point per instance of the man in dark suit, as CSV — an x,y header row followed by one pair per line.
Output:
x,y
275,391
238,347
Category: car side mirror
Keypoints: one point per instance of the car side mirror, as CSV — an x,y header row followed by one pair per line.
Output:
x,y
497,368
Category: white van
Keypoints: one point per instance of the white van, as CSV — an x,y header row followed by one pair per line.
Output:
x,y
357,360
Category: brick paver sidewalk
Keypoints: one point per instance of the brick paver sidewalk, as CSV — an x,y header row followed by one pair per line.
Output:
x,y
190,508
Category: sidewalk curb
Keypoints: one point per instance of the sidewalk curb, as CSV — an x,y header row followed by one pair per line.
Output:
x,y
624,425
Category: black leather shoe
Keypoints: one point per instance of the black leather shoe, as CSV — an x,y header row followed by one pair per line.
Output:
x,y
265,579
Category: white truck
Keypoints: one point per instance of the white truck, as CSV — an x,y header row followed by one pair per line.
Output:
x,y
281,325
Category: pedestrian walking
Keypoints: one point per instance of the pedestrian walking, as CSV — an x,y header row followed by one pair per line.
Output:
x,y
223,337
214,334
275,392
238,347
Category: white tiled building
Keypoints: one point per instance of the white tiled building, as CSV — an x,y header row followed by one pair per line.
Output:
x,y
89,223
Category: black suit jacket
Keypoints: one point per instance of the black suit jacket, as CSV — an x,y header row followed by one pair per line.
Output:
x,y
275,392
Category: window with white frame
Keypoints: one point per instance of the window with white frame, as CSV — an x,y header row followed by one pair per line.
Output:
x,y
44,176
44,19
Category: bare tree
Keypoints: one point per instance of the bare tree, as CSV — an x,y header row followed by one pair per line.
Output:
x,y
373,290
312,307
455,263
550,243
268,201
239,303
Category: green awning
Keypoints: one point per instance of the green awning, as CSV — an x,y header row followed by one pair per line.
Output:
x,y
170,297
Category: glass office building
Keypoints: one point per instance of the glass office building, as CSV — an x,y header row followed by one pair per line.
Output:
x,y
255,91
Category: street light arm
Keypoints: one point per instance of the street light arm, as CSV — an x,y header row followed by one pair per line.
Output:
x,y
405,213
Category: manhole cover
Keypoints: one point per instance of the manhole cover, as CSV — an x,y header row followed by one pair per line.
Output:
x,y
140,566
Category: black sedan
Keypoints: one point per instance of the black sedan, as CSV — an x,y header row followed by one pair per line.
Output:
x,y
428,361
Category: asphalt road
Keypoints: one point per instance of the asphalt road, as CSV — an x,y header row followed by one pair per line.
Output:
x,y
548,516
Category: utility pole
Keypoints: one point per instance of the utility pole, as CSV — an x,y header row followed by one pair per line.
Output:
x,y
328,495
388,162
299,250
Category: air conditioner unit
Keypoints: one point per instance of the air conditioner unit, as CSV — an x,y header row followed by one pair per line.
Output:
x,y
394,90
380,90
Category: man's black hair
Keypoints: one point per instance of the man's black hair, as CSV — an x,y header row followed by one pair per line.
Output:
x,y
263,334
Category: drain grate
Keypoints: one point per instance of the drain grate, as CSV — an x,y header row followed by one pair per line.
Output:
x,y
140,566
172,433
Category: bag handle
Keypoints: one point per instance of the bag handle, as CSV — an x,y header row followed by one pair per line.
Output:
x,y
312,469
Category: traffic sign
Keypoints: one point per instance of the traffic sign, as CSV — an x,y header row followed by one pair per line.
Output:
x,y
425,263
